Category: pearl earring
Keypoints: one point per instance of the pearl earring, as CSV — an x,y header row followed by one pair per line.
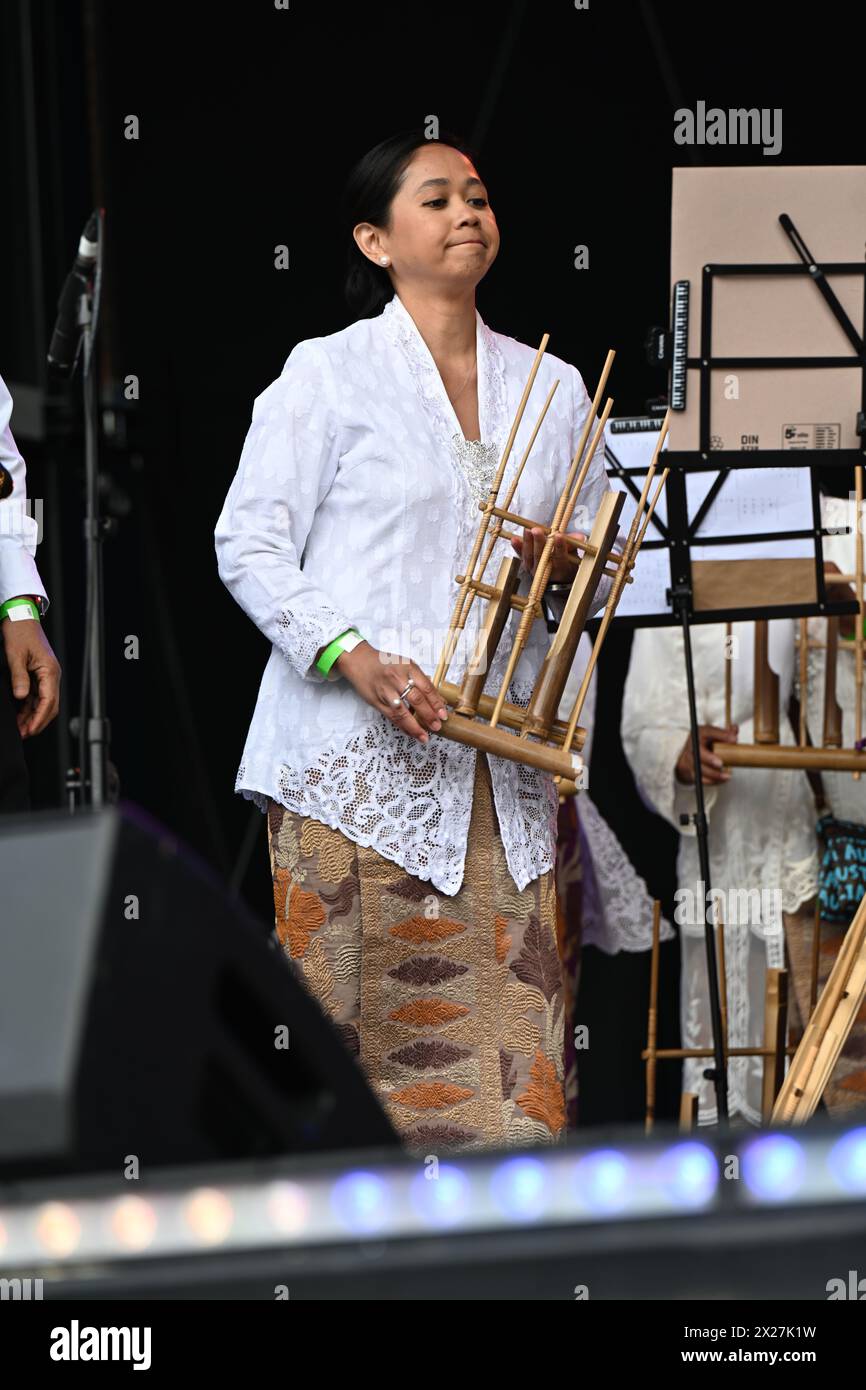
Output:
x,y
383,260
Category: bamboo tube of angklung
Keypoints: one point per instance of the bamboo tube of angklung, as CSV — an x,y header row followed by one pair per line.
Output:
x,y
652,1021
766,687
497,615
496,530
728,673
512,715
804,676
559,658
453,631
649,516
581,547
629,555
689,1109
473,734
541,576
542,571
520,602
775,1038
832,732
565,496
790,756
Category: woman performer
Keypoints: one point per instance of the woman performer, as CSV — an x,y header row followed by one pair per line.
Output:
x,y
413,877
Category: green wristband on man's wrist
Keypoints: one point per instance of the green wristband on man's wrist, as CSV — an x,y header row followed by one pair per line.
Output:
x,y
344,643
12,609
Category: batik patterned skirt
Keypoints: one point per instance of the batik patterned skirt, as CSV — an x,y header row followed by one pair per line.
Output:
x,y
453,1006
569,923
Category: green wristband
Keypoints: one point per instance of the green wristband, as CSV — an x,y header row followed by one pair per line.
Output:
x,y
333,650
13,603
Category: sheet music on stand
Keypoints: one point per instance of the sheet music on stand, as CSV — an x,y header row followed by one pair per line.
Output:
x,y
704,518
628,449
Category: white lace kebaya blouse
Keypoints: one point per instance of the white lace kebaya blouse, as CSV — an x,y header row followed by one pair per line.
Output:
x,y
355,504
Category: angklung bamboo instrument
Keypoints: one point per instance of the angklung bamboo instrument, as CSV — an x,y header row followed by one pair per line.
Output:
x,y
827,1030
767,750
829,755
535,736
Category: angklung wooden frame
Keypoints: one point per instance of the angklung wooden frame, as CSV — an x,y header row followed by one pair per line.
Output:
x,y
827,1031
774,1050
828,755
474,718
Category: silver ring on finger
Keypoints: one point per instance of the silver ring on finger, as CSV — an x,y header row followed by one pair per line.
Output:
x,y
403,693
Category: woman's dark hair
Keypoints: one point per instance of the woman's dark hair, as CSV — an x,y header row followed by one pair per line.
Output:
x,y
370,190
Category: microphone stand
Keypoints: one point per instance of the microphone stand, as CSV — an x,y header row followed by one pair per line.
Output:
x,y
92,727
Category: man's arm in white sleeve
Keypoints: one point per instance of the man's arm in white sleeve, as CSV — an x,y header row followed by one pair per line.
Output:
x,y
19,532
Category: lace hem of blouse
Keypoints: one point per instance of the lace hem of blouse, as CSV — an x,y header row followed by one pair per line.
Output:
x,y
407,800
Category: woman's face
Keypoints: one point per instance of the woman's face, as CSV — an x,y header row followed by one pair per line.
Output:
x,y
443,232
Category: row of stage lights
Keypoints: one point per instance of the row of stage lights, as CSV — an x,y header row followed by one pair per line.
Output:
x,y
393,1200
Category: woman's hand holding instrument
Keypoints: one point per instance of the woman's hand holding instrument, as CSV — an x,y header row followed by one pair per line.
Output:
x,y
396,687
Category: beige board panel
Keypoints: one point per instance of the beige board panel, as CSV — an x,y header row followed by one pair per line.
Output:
x,y
731,215
794,409
724,584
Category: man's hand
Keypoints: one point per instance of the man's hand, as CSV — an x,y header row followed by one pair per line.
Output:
x,y
35,673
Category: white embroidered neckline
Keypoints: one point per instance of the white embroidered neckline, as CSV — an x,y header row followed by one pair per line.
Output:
x,y
475,459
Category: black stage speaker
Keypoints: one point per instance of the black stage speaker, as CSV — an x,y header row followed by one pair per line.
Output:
x,y
144,1014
